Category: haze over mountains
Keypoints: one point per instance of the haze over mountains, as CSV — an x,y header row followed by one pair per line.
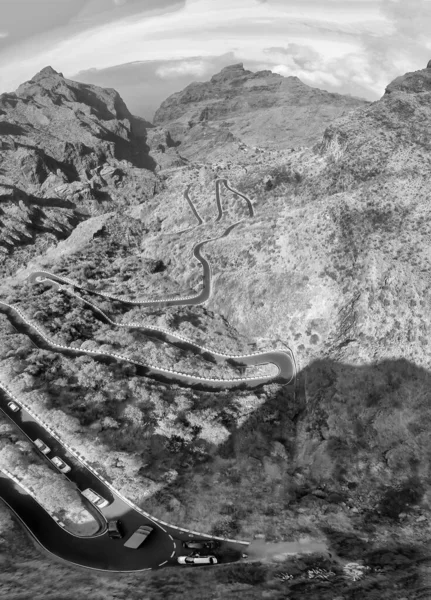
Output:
x,y
335,264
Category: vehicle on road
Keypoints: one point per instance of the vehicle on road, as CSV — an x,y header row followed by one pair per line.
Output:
x,y
138,537
201,544
60,464
197,559
95,498
42,446
115,529
13,406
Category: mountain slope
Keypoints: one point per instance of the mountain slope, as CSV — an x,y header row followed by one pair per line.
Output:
x,y
67,151
336,263
259,109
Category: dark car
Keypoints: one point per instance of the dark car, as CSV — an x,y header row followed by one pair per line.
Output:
x,y
201,544
115,529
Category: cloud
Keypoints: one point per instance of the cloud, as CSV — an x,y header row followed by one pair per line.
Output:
x,y
403,46
197,68
196,28
354,46
143,85
391,45
4,34
304,57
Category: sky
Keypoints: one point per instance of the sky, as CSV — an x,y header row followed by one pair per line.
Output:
x,y
148,49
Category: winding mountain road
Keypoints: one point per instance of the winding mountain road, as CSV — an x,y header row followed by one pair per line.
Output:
x,y
99,551
234,191
192,206
282,359
96,551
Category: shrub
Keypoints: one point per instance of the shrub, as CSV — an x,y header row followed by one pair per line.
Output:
x,y
346,545
396,501
226,527
249,573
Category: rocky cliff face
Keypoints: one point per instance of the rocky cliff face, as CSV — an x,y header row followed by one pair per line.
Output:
x,y
67,151
259,109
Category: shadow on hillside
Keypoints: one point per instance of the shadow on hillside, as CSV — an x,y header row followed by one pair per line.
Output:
x,y
135,150
85,95
51,164
140,147
38,222
352,436
52,202
349,414
11,129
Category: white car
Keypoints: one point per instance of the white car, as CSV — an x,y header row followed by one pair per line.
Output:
x,y
13,406
197,559
95,498
60,464
42,446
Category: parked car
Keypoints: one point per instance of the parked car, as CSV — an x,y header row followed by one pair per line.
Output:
x,y
13,406
138,537
42,446
60,464
197,559
201,544
95,498
115,529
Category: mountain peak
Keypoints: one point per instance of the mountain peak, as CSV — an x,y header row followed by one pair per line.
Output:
x,y
51,87
259,108
412,83
46,72
235,67
230,72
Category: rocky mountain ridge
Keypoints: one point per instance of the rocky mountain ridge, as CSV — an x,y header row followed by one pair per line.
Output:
x,y
69,151
259,109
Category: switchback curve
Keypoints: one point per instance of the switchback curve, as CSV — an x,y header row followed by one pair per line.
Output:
x,y
283,360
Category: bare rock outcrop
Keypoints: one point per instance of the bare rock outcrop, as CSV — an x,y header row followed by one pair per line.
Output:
x,y
260,109
414,82
67,151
